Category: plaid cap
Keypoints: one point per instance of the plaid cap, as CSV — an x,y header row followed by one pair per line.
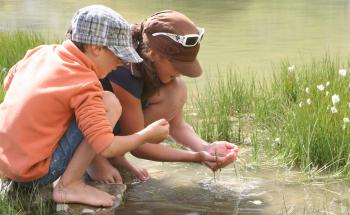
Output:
x,y
100,25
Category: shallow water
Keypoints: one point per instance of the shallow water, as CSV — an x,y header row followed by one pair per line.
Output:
x,y
190,189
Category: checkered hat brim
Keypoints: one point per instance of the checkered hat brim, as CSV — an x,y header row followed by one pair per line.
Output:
x,y
127,54
100,25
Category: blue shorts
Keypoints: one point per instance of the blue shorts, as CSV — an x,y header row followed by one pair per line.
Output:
x,y
60,158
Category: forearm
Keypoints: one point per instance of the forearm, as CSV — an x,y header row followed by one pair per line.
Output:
x,y
185,135
165,153
123,144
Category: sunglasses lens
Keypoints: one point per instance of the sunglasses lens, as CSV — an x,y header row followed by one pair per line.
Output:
x,y
191,41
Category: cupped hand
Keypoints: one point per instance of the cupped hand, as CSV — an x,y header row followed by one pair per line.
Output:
x,y
226,151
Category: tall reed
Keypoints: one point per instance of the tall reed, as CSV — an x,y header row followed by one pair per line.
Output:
x,y
14,45
315,130
222,107
304,111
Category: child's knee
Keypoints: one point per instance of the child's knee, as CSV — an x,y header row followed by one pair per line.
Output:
x,y
112,105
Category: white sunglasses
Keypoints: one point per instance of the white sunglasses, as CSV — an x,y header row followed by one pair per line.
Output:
x,y
188,40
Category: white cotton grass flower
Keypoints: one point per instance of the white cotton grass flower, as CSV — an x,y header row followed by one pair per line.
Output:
x,y
300,104
327,83
335,99
342,72
345,120
291,68
277,140
320,87
334,109
307,90
308,101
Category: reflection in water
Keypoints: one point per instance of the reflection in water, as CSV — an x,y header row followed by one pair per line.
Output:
x,y
183,189
177,188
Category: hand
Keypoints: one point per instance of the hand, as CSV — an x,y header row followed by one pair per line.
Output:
x,y
225,150
156,131
205,156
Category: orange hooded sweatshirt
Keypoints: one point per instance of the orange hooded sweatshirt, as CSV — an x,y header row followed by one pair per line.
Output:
x,y
43,91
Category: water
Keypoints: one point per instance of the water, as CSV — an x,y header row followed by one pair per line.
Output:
x,y
180,188
249,35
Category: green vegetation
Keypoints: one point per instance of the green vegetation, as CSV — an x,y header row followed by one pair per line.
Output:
x,y
303,114
14,45
3,72
27,202
222,108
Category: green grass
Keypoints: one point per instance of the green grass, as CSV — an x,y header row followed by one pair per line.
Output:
x,y
282,116
3,72
223,108
312,136
14,45
26,202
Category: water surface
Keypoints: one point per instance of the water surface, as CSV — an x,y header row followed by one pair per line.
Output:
x,y
181,188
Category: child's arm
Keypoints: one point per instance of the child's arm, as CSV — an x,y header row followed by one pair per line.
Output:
x,y
153,133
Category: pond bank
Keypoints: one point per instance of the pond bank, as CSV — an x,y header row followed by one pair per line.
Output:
x,y
290,118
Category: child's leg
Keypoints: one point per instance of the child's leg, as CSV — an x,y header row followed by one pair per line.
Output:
x,y
71,188
101,169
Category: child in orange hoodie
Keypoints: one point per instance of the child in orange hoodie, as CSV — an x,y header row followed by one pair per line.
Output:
x,y
55,117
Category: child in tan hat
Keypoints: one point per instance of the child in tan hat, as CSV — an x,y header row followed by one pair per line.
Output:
x,y
55,116
169,42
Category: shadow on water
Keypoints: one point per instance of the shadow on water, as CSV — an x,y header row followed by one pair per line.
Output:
x,y
191,189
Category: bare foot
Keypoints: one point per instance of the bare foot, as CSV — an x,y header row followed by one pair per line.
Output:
x,y
140,172
101,170
79,192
